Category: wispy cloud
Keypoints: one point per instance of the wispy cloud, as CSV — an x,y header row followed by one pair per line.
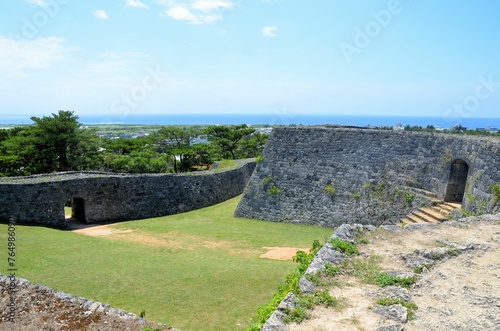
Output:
x,y
37,2
198,11
113,62
135,4
269,31
18,56
101,14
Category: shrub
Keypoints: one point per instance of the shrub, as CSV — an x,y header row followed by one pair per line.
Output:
x,y
496,192
344,246
383,279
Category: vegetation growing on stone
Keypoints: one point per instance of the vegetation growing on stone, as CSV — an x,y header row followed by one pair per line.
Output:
x,y
345,247
496,192
384,279
410,306
329,190
291,285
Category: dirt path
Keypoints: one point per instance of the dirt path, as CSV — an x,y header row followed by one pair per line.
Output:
x,y
459,293
176,240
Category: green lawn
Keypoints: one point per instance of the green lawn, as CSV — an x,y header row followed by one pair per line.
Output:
x,y
205,275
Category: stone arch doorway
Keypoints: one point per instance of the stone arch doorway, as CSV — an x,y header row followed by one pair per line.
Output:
x,y
77,209
457,181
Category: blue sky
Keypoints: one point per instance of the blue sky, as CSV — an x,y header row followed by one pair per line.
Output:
x,y
122,58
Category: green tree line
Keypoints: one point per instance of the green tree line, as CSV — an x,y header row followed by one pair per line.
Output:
x,y
60,143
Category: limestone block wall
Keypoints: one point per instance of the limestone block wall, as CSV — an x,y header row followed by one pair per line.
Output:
x,y
330,176
110,197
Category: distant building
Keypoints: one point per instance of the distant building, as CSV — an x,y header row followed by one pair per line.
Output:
x,y
398,127
199,140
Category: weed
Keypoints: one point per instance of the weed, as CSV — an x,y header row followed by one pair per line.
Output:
x,y
359,237
324,298
148,328
143,313
343,246
356,195
383,279
270,186
331,270
366,269
420,269
291,285
409,197
410,306
447,157
466,213
495,189
329,190
273,189
472,198
297,315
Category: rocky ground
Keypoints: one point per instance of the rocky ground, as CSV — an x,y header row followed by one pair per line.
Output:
x,y
39,308
458,286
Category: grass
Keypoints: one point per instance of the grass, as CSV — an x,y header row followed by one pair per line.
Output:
x,y
410,306
211,279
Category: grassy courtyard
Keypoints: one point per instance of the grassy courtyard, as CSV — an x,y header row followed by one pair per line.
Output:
x,y
195,271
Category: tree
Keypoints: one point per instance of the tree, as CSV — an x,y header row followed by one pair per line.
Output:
x,y
252,146
61,144
177,142
228,137
56,143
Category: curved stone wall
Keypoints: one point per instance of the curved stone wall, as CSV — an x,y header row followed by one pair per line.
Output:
x,y
330,176
100,197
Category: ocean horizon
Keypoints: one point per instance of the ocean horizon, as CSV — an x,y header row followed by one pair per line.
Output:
x,y
276,119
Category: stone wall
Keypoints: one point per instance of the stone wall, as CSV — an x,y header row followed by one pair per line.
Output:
x,y
100,197
330,176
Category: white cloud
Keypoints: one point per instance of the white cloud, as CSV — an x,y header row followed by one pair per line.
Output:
x,y
181,13
198,11
208,5
269,31
37,2
135,4
101,14
16,56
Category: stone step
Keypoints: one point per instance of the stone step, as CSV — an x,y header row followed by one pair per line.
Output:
x,y
441,210
434,214
453,205
428,194
409,220
424,217
445,206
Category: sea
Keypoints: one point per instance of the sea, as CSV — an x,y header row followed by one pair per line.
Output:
x,y
278,119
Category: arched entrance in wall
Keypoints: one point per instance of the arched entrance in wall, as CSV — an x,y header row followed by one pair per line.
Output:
x,y
77,206
457,181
